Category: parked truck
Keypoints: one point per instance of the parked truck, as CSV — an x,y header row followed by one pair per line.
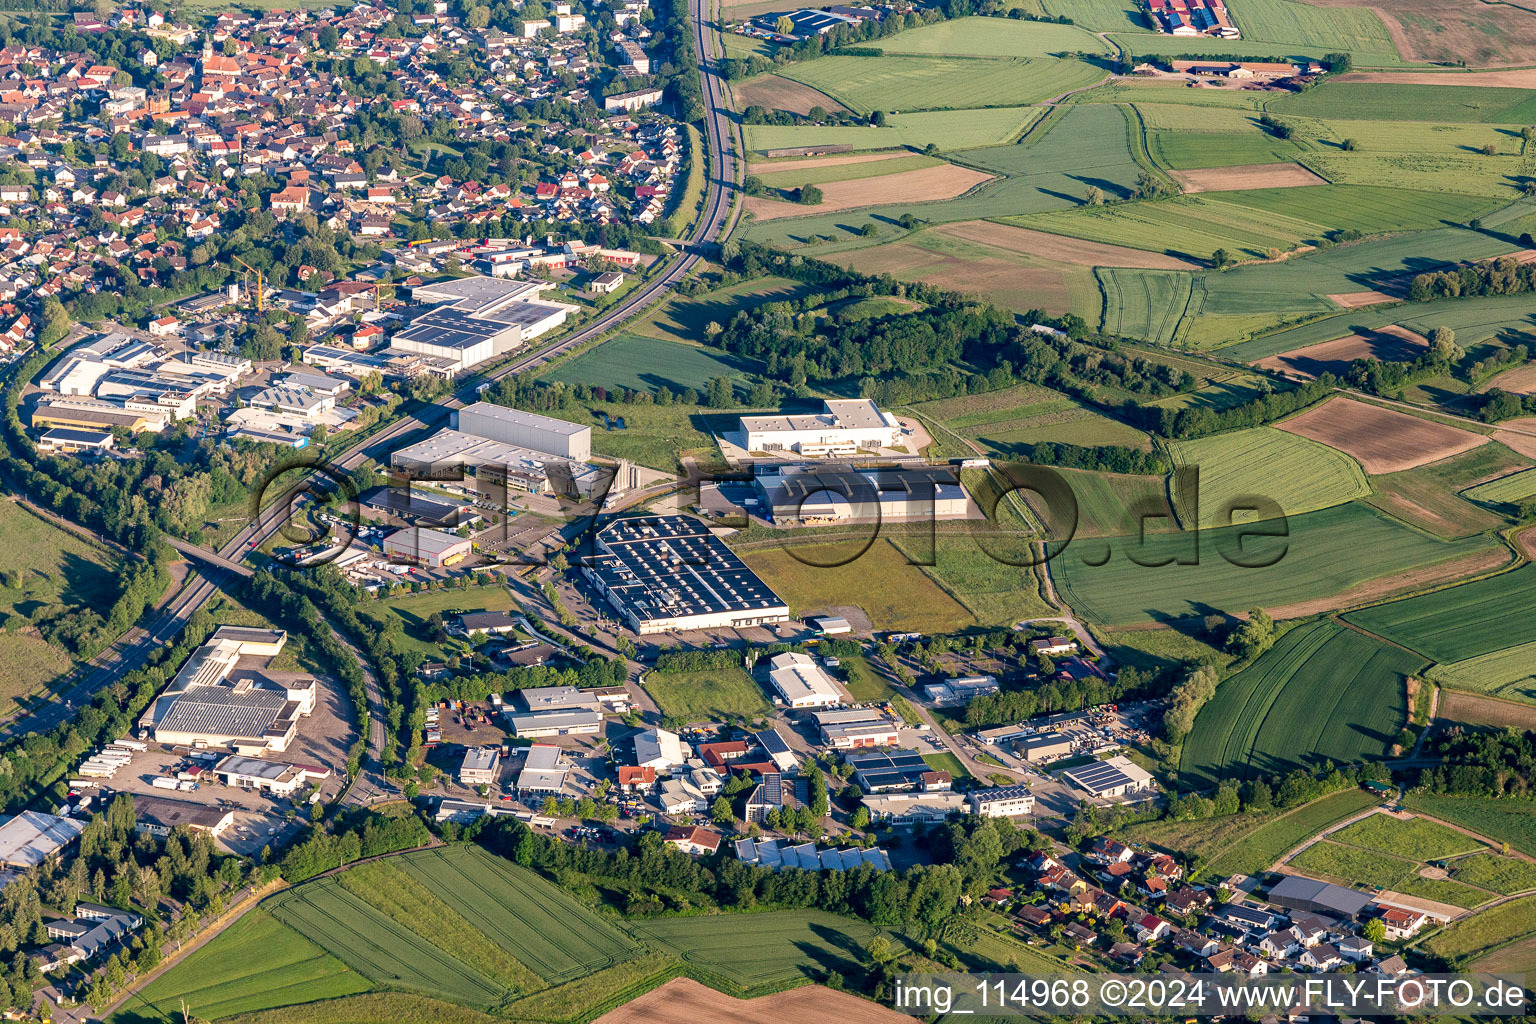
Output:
x,y
164,782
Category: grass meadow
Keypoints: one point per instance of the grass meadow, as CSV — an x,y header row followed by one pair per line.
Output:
x,y
1485,932
718,695
992,37
1509,673
943,128
645,364
1507,821
912,83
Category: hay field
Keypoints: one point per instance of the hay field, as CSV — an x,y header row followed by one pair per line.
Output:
x,y
924,185
943,128
1388,344
866,84
1457,30
778,93
1509,674
685,1001
991,37
1296,474
1061,248
1382,440
1239,177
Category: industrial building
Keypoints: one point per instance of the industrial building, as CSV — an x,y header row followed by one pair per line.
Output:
x,y
526,430
777,854
841,428
215,702
275,777
890,771
961,689
94,414
801,683
160,817
660,749
532,725
493,469
1118,776
1001,801
31,837
480,767
907,808
1294,892
809,494
436,549
663,573
474,319
75,439
542,771
1043,747
854,728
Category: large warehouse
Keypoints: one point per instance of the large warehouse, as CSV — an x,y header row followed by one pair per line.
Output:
x,y
214,701
495,467
841,428
544,434
812,494
663,573
801,683
474,319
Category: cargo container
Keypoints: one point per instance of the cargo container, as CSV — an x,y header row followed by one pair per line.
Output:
x,y
132,744
186,785
165,783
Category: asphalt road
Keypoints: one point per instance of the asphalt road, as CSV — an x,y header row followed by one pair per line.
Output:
x,y
714,223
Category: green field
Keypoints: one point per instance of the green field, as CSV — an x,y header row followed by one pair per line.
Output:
x,y
1427,496
788,179
1323,692
1100,15
1146,304
536,924
683,318
1051,170
1505,490
741,953
1352,866
254,964
995,592
1510,673
1003,421
1325,554
1461,622
1193,227
1448,104
371,1008
646,364
1355,29
1417,839
1471,319
905,83
1255,851
992,37
1295,474
943,128
1507,821
718,695
1445,890
1112,504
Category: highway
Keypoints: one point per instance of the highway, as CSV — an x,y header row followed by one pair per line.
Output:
x,y
716,219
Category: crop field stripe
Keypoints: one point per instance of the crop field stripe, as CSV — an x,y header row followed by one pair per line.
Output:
x,y
1461,622
377,946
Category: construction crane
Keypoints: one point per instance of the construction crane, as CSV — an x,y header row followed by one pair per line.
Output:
x,y
378,291
260,292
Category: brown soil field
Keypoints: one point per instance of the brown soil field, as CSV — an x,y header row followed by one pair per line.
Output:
x,y
1479,709
1482,34
923,185
1524,78
1384,587
1059,247
1521,380
1003,281
768,166
1232,179
1354,300
1384,441
685,1001
1523,442
1388,344
777,93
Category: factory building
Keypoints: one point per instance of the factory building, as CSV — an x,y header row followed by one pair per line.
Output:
x,y
470,320
214,702
826,494
526,430
662,573
801,683
841,428
417,545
